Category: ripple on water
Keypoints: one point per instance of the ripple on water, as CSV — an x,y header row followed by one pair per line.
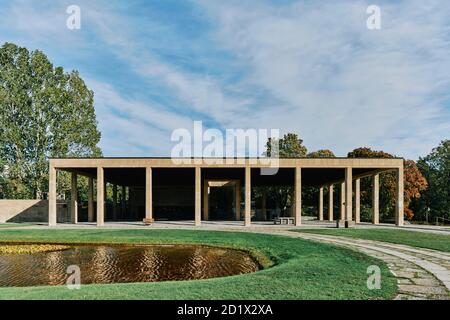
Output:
x,y
119,264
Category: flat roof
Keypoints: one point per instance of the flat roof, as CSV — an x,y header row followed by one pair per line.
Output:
x,y
315,171
141,162
289,158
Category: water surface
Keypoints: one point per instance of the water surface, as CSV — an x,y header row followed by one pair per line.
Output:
x,y
118,264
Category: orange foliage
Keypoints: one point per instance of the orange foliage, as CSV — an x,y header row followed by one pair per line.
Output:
x,y
415,183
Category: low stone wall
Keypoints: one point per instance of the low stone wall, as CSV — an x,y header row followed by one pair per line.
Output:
x,y
31,211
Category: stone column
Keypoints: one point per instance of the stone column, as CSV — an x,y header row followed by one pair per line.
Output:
x,y
376,199
320,204
74,199
238,200
100,197
357,201
348,194
198,196
52,197
148,195
298,196
330,203
114,202
122,203
205,200
264,204
399,211
248,197
90,199
342,202
130,201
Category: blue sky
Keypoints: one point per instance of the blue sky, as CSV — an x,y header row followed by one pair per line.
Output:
x,y
310,67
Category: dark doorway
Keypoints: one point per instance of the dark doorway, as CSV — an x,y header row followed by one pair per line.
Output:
x,y
222,203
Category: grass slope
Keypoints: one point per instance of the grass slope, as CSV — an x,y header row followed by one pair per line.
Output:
x,y
13,225
301,269
428,240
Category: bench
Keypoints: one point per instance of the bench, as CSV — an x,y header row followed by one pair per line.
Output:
x,y
284,220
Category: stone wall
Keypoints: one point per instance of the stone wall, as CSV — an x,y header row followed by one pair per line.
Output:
x,y
31,211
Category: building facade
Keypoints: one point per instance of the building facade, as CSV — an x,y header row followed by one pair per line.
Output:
x,y
218,189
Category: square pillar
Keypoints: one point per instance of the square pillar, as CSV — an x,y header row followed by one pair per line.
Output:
x,y
148,195
357,201
114,201
342,202
90,199
330,203
205,200
130,201
248,197
376,199
74,199
198,196
238,200
264,204
52,197
348,194
100,197
298,196
399,211
123,202
320,204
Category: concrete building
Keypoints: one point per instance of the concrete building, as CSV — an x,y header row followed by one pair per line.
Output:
x,y
217,189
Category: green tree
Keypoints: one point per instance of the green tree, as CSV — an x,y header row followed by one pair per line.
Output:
x,y
290,146
435,201
322,153
44,112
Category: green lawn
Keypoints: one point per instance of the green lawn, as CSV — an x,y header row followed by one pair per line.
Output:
x,y
13,225
294,268
412,238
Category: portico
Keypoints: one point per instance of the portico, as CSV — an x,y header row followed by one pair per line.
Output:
x,y
169,189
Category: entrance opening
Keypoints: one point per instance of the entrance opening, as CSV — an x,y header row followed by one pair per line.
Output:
x,y
222,203
173,193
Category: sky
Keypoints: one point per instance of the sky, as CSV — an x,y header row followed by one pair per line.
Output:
x,y
308,67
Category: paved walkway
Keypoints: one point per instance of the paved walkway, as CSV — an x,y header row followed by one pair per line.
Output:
x,y
421,273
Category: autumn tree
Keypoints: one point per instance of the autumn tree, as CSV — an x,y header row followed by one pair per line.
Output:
x,y
44,112
414,184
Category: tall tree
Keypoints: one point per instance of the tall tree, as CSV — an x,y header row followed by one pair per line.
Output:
x,y
44,112
435,201
415,185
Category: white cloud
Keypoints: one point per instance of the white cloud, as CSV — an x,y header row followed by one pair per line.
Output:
x,y
308,67
338,84
132,127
